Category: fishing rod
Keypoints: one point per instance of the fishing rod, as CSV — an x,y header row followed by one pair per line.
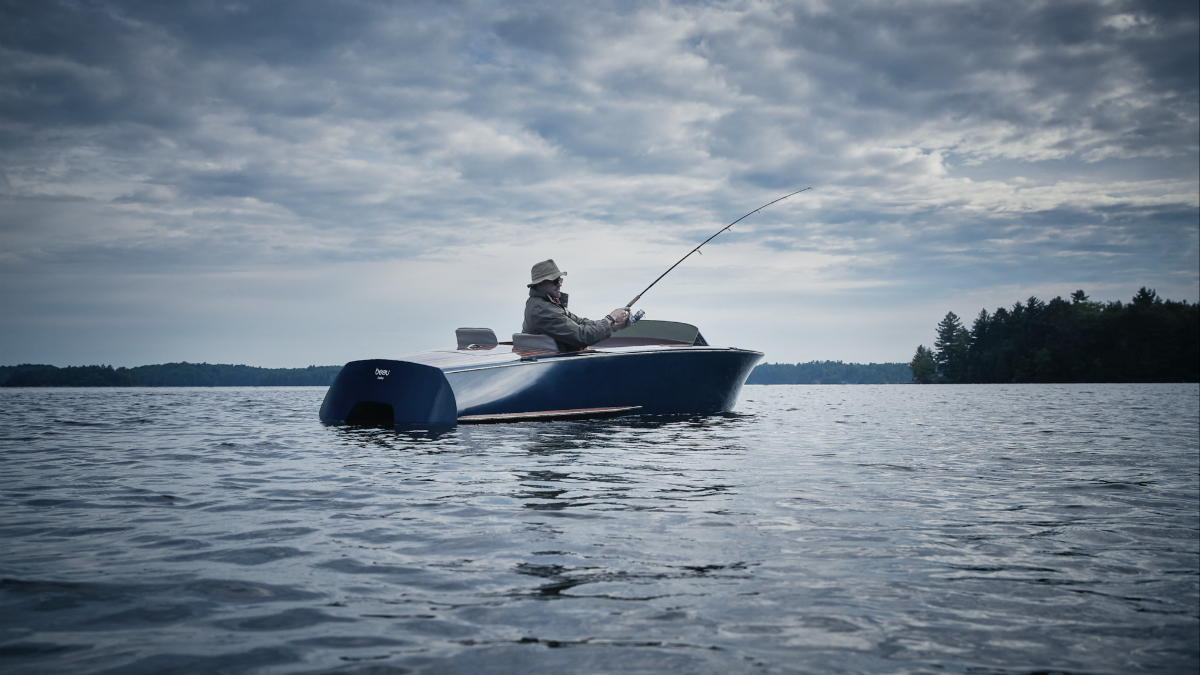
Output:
x,y
639,295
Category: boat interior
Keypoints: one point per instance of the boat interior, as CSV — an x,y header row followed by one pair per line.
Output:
x,y
644,333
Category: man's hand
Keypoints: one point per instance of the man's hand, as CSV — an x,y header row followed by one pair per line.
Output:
x,y
620,317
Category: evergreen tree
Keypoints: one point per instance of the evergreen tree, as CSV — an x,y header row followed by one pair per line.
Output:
x,y
951,348
1146,299
923,366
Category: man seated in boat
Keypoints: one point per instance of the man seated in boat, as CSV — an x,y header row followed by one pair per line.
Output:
x,y
546,313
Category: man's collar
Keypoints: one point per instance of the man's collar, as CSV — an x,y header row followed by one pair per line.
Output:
x,y
562,297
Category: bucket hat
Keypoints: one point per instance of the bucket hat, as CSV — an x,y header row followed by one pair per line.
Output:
x,y
544,271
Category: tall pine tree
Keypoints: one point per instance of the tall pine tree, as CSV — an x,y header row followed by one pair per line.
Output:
x,y
951,347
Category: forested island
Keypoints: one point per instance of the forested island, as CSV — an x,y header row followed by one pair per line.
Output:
x,y
831,372
1077,340
166,375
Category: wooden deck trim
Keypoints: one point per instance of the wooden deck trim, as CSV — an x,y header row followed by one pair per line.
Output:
x,y
574,414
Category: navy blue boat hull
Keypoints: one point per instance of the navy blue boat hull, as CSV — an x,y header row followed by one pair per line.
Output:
x,y
449,385
671,382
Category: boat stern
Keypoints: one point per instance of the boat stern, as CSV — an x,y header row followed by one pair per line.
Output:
x,y
384,392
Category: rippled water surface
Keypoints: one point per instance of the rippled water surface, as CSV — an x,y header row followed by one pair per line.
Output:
x,y
821,529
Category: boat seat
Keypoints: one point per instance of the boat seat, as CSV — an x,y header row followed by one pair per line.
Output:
x,y
529,341
476,338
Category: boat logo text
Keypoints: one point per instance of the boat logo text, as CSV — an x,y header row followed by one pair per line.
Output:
x,y
380,373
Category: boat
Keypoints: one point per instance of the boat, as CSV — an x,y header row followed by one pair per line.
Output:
x,y
650,368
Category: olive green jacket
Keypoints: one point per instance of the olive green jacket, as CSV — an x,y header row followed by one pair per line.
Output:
x,y
543,316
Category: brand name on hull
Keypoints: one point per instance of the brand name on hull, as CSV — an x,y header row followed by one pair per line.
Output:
x,y
380,373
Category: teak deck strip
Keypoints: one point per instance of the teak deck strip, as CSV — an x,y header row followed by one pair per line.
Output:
x,y
577,413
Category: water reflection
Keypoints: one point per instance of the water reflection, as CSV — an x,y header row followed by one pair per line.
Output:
x,y
547,437
393,436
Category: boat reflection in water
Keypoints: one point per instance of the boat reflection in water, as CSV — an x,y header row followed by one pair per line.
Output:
x,y
650,368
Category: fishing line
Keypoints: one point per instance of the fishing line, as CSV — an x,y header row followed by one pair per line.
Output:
x,y
639,295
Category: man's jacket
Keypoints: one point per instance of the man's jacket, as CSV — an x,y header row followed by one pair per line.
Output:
x,y
543,316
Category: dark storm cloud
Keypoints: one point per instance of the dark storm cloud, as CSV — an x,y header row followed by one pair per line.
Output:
x,y
165,65
1127,75
869,70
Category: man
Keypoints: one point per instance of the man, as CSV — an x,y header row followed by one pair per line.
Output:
x,y
546,313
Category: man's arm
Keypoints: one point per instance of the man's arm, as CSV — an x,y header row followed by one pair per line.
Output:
x,y
569,329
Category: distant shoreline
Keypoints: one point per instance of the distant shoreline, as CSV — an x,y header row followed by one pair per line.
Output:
x,y
830,372
186,374
223,375
181,374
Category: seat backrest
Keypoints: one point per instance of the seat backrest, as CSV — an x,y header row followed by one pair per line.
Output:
x,y
528,341
476,338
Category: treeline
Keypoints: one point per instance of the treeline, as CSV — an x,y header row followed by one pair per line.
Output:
x,y
1147,340
166,375
219,375
8,371
830,372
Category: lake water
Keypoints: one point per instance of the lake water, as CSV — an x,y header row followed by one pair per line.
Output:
x,y
820,529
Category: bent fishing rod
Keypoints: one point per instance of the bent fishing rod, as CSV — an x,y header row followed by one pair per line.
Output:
x,y
695,250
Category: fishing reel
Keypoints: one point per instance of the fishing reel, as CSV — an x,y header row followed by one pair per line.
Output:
x,y
635,317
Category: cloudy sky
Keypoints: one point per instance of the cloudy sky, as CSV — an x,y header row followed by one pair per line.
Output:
x,y
292,183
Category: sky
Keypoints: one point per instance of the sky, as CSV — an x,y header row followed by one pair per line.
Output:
x,y
286,183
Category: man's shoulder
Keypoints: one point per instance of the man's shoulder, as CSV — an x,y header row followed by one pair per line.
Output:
x,y
539,306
